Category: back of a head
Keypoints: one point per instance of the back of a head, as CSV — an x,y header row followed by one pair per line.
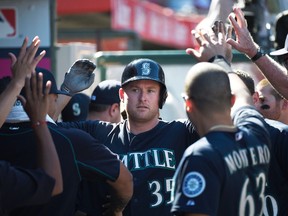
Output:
x,y
209,87
105,94
247,80
47,75
145,69
76,109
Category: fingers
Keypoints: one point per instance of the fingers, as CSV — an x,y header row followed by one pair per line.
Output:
x,y
38,86
13,58
38,58
23,48
83,64
31,51
229,32
27,88
47,88
193,52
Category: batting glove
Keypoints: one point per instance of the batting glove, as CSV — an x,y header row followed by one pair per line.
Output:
x,y
79,77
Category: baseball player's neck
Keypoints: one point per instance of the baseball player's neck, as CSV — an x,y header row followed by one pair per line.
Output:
x,y
216,123
137,127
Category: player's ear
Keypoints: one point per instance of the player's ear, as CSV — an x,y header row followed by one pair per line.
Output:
x,y
113,108
121,94
233,99
189,105
285,104
255,97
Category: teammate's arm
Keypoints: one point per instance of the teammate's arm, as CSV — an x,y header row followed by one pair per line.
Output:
x,y
272,70
36,106
213,48
21,67
122,191
79,77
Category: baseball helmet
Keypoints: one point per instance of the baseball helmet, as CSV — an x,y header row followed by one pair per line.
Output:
x,y
145,69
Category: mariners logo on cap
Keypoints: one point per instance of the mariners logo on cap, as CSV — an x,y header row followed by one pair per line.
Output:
x,y
193,184
93,97
146,69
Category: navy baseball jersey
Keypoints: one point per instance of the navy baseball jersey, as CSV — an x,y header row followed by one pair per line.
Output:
x,y
79,154
224,173
20,187
276,198
151,157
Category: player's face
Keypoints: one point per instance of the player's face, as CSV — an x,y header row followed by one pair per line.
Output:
x,y
267,104
52,104
141,100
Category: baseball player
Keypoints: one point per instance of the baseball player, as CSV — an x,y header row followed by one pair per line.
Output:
x,y
225,172
20,187
77,108
150,148
80,155
276,195
105,102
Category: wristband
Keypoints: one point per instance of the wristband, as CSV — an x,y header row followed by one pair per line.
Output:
x,y
38,123
214,58
258,55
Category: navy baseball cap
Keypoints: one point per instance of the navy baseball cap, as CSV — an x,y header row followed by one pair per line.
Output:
x,y
77,108
47,75
106,92
281,51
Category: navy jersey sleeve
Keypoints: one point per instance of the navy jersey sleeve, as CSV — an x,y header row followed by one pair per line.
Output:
x,y
98,129
280,148
248,117
95,160
21,187
198,186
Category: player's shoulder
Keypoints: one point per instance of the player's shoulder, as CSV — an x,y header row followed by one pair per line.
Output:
x,y
177,123
71,133
200,147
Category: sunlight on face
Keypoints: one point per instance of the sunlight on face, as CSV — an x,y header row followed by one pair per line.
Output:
x,y
267,104
52,104
141,100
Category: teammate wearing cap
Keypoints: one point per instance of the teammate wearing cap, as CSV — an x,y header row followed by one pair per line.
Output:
x,y
77,108
105,102
149,147
276,196
80,156
282,54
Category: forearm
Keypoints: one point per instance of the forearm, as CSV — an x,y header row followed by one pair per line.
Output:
x,y
47,156
122,190
275,73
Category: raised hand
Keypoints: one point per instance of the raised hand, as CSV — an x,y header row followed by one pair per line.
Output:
x,y
79,77
219,27
244,42
37,103
26,62
210,45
